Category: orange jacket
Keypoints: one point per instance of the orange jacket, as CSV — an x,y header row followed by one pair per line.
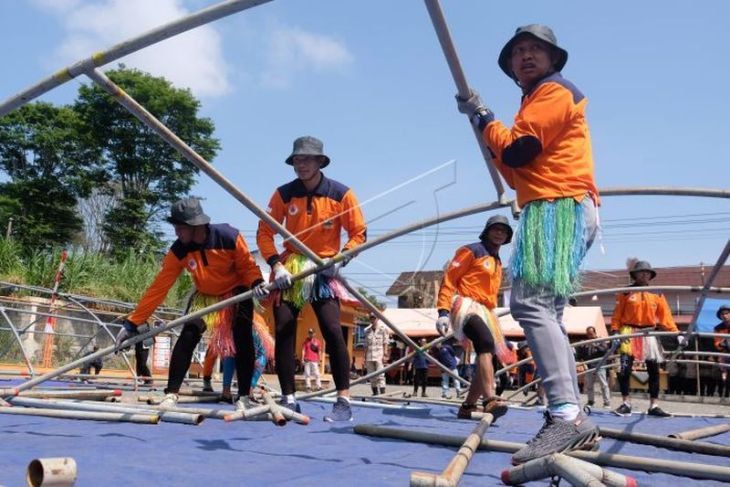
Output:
x,y
217,267
315,218
642,309
472,273
722,344
552,124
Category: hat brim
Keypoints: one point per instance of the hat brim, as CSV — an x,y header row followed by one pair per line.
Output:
x,y
198,220
506,53
510,232
652,272
324,160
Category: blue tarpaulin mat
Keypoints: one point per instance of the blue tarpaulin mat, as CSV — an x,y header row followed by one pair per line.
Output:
x,y
321,454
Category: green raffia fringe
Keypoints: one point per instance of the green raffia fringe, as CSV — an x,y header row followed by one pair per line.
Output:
x,y
550,245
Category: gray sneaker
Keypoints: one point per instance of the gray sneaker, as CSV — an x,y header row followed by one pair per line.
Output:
x,y
341,411
558,436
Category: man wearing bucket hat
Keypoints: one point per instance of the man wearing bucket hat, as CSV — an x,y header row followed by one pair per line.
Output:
x,y
315,209
546,158
639,311
220,265
466,298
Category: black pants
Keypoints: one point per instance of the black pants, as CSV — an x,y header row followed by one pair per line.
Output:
x,y
182,353
328,317
624,375
86,369
477,331
140,361
420,379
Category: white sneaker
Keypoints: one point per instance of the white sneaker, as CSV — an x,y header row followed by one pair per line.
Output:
x,y
170,401
243,403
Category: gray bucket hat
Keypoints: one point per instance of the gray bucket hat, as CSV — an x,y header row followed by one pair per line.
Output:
x,y
542,32
497,220
308,146
188,211
642,265
722,308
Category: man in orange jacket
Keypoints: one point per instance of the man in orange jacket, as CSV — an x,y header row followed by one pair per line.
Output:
x,y
217,258
546,158
466,298
640,311
315,209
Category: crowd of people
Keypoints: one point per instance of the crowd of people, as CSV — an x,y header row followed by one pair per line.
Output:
x,y
545,157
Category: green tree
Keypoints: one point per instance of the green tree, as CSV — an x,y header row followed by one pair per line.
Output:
x,y
148,173
49,164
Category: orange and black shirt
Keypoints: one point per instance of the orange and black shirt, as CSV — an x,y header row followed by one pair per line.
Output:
x,y
316,218
473,272
547,153
642,309
217,267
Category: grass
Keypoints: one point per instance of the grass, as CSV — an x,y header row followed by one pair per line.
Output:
x,y
89,274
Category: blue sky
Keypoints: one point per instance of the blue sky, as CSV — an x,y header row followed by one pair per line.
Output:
x,y
370,80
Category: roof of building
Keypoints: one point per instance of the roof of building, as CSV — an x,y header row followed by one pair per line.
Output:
x,y
420,322
666,276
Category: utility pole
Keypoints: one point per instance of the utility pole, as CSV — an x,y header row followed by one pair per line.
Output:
x,y
9,230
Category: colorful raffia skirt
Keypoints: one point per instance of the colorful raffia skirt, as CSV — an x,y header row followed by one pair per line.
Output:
x,y
550,245
219,325
314,287
462,308
642,348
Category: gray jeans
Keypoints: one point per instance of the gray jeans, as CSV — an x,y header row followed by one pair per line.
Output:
x,y
540,314
590,379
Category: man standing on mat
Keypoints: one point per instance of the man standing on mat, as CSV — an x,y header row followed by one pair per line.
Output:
x,y
466,298
639,311
217,259
546,158
315,209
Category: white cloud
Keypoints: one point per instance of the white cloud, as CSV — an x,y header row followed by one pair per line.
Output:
x,y
191,60
292,51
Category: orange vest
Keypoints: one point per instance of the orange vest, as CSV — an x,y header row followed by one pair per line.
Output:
x,y
472,273
217,267
553,112
315,218
642,309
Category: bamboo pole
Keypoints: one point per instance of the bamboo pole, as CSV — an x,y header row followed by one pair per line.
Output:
x,y
673,467
564,467
88,415
50,394
668,443
165,416
698,433
274,409
462,86
52,472
171,29
451,476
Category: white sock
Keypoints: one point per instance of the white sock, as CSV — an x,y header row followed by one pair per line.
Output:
x,y
566,411
290,398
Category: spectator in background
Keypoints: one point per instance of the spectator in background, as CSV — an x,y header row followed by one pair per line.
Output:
x,y
447,356
420,370
376,349
594,351
311,354
97,364
722,344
